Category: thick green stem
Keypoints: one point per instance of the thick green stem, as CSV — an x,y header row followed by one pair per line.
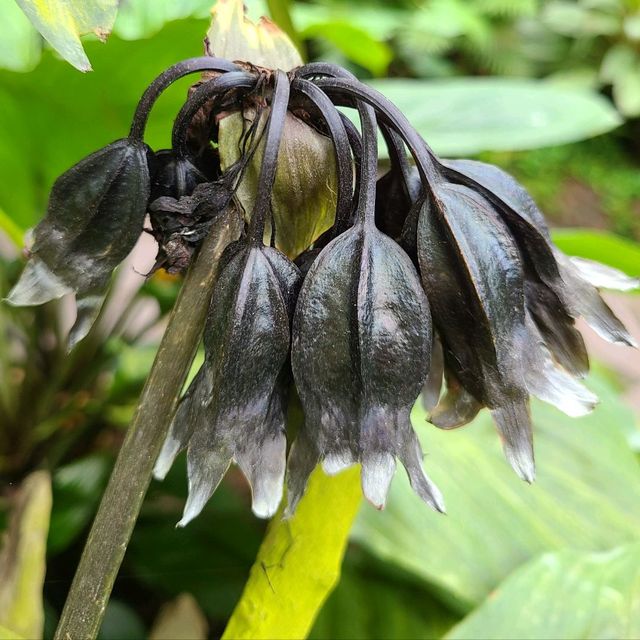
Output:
x,y
118,511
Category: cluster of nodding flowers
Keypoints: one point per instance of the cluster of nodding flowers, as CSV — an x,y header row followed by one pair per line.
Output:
x,y
440,278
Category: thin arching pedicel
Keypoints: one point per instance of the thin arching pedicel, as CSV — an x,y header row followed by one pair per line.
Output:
x,y
391,115
341,146
200,97
397,153
398,158
165,80
275,127
355,140
369,170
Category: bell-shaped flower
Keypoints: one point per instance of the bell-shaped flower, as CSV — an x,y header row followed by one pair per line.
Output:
x,y
234,410
360,355
94,217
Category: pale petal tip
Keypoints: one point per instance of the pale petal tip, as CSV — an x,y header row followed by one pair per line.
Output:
x,y
334,463
522,463
193,507
167,455
37,285
267,493
377,472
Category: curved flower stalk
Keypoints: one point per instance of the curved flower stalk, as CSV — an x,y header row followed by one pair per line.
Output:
x,y
440,278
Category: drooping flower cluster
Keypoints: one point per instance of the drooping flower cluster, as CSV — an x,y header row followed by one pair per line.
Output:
x,y
438,278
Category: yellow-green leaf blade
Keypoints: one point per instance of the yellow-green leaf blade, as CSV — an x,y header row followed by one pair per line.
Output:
x,y
23,558
568,594
299,562
62,22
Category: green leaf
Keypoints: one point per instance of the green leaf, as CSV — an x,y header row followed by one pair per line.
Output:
x,y
494,521
234,37
7,634
20,44
354,43
299,562
469,115
368,605
602,246
62,22
568,594
77,488
23,561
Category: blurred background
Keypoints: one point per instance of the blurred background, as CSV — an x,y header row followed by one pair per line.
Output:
x,y
548,90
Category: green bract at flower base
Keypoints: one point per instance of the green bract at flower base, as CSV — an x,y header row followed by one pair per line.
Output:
x,y
438,274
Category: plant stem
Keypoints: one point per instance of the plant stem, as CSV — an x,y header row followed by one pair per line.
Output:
x,y
121,502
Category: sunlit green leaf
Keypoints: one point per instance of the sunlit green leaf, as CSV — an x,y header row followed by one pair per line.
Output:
x,y
469,115
494,521
22,560
62,22
298,563
602,246
354,43
20,44
564,595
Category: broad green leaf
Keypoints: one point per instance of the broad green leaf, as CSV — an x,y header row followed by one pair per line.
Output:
x,y
144,18
626,91
7,634
585,496
354,43
602,246
469,115
180,619
564,595
62,22
366,605
20,43
298,563
77,488
233,36
23,558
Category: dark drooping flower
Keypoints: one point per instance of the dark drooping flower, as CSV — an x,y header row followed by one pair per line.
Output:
x,y
440,278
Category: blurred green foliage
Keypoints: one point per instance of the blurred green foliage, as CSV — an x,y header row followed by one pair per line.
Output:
x,y
567,544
